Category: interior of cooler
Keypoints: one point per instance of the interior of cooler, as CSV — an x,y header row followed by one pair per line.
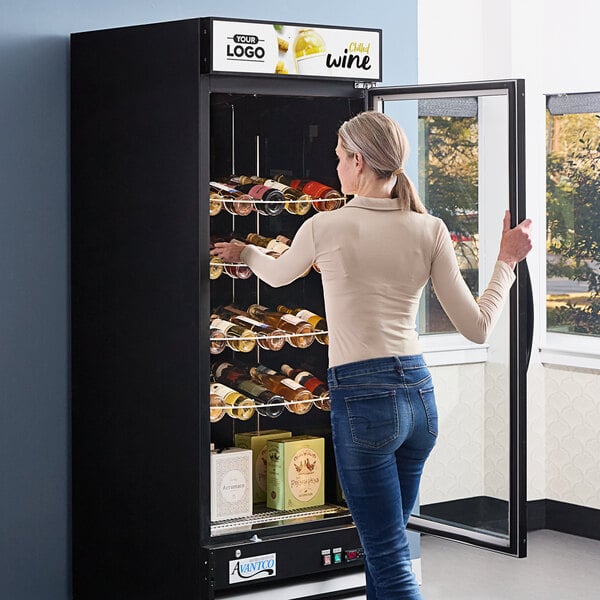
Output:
x,y
269,137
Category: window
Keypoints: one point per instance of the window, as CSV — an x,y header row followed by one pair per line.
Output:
x,y
573,214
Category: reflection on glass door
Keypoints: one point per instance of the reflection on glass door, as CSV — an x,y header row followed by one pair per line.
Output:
x,y
448,183
465,155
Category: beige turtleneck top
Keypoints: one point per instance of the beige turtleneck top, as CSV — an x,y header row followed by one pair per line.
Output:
x,y
375,259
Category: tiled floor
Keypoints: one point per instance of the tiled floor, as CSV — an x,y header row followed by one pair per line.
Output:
x,y
558,567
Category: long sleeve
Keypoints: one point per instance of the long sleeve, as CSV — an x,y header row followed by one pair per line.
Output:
x,y
290,265
474,319
375,258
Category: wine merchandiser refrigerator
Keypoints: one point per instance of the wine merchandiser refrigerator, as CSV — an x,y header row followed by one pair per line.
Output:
x,y
180,365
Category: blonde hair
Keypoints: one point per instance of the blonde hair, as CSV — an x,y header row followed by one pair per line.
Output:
x,y
384,147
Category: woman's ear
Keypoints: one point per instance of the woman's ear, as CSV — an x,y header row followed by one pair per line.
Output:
x,y
358,160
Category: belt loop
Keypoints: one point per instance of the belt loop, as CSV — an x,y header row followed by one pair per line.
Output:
x,y
398,365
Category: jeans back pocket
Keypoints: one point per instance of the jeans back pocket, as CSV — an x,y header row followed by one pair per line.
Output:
x,y
373,418
428,399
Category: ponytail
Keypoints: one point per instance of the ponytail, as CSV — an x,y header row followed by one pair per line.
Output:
x,y
383,146
405,191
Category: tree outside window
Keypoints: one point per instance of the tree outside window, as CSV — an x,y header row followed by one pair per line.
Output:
x,y
573,223
448,174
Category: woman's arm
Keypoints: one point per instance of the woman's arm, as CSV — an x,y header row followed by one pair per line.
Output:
x,y
274,271
476,319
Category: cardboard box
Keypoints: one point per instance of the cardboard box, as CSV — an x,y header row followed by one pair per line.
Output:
x,y
230,484
257,442
295,472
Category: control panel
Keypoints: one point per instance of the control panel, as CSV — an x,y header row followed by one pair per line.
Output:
x,y
335,556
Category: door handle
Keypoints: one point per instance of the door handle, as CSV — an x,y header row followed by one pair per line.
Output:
x,y
526,308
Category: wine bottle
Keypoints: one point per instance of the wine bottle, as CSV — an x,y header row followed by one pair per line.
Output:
x,y
268,404
309,52
267,200
311,383
217,341
215,268
238,271
319,323
297,202
302,333
298,397
217,408
272,245
285,240
242,339
237,405
324,197
267,337
236,203
315,189
244,179
215,203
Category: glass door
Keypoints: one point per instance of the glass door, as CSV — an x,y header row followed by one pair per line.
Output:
x,y
467,161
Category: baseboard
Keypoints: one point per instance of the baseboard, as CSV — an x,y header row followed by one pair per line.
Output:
x,y
536,515
564,517
491,514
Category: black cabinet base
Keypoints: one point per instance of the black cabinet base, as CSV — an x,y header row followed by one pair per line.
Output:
x,y
255,562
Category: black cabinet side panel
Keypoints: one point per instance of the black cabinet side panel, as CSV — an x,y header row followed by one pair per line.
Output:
x,y
135,312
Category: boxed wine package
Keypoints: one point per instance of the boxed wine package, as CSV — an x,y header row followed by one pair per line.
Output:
x,y
256,441
230,483
295,472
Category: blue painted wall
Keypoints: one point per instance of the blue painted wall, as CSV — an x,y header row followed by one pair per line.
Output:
x,y
34,241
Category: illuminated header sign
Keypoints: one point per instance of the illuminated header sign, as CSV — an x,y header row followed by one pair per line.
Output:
x,y
301,50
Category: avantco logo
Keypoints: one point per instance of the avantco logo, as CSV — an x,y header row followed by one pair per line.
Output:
x,y
253,567
245,47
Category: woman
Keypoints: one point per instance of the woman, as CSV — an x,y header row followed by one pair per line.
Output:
x,y
375,255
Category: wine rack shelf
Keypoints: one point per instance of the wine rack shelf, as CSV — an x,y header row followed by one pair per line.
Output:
x,y
265,517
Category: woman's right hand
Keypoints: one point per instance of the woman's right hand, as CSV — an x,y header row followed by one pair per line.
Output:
x,y
229,252
516,242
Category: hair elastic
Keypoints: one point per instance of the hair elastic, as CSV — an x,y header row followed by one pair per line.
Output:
x,y
398,171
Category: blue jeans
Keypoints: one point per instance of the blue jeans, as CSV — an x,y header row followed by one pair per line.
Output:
x,y
384,425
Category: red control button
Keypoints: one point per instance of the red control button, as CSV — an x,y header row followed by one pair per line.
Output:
x,y
355,554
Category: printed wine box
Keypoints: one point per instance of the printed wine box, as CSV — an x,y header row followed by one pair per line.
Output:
x,y
295,472
257,442
230,483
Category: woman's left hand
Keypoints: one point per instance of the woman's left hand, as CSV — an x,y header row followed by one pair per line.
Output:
x,y
228,252
516,242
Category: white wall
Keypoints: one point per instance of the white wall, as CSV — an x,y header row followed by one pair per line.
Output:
x,y
552,45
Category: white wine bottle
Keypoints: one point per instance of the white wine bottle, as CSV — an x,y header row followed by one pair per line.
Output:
x,y
242,339
302,333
